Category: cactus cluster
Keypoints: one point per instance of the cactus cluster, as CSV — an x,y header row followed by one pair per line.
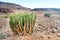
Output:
x,y
47,15
22,23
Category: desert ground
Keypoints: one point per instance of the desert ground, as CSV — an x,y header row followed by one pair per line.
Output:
x,y
46,28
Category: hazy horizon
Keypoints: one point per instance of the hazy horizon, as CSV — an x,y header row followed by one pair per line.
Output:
x,y
36,3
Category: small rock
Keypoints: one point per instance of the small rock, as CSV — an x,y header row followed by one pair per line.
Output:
x,y
56,28
41,36
58,35
49,37
8,35
53,31
51,27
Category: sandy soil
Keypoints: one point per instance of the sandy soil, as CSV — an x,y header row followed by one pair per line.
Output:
x,y
45,29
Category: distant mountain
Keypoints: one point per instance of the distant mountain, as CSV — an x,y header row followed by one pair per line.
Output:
x,y
47,10
9,7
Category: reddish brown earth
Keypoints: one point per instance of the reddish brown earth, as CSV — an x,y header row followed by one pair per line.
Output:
x,y
45,29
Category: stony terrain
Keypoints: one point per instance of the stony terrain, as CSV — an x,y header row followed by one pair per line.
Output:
x,y
45,29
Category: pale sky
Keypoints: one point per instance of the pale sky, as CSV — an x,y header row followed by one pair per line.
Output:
x,y
36,3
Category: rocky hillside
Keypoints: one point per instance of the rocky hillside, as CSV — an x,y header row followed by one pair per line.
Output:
x,y
9,7
54,10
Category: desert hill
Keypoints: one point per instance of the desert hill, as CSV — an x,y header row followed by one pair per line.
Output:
x,y
9,7
54,10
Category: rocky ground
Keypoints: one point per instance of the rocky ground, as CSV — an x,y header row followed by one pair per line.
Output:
x,y
45,29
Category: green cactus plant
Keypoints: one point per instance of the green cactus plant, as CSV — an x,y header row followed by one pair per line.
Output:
x,y
47,15
22,23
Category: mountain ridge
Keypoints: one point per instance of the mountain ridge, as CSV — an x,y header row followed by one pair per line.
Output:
x,y
46,9
9,6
